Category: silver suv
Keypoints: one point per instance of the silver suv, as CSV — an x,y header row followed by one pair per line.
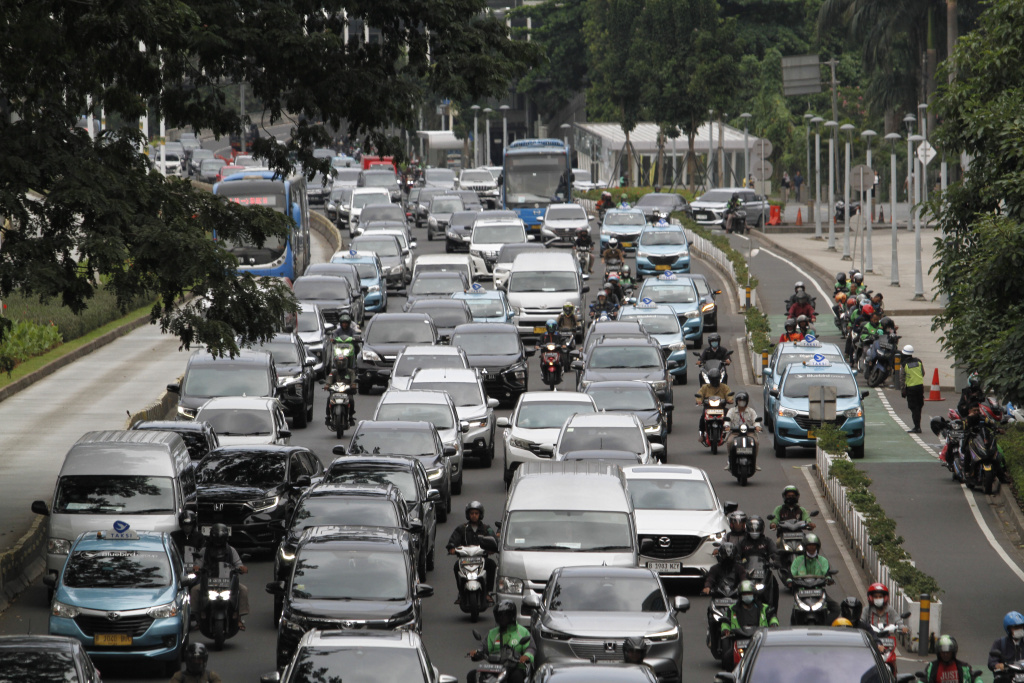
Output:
x,y
471,404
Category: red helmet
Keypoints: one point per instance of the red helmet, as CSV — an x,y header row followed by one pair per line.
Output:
x,y
867,309
879,588
851,302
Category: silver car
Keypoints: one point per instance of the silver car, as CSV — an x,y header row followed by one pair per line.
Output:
x,y
471,404
587,613
561,221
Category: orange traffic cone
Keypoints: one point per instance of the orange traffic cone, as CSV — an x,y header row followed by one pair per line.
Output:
x,y
799,217
935,394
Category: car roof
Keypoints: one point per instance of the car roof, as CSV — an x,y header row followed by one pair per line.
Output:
x,y
609,572
349,257
832,368
414,396
240,403
615,326
439,275
363,639
823,347
366,490
399,316
602,420
172,426
824,637
664,472
556,397
439,303
619,384
609,454
628,341
370,190
427,350
392,425
244,357
373,462
632,209
147,540
656,309
257,450
544,485
670,227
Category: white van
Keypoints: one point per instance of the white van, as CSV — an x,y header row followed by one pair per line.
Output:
x,y
445,263
561,514
142,478
539,284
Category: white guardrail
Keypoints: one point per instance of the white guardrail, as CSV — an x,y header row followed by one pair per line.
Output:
x,y
855,528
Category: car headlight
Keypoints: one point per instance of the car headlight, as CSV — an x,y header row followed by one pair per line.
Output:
x,y
550,634
519,443
187,413
707,307
477,424
717,537
659,385
59,609
395,270
263,504
222,595
163,611
653,429
519,370
691,314
58,546
452,234
369,355
372,288
788,412
435,473
507,584
853,412
285,555
662,636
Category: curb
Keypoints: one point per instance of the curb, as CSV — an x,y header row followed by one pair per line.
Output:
x,y
326,229
1014,514
157,410
23,562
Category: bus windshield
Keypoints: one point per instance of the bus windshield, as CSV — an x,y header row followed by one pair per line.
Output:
x,y
535,179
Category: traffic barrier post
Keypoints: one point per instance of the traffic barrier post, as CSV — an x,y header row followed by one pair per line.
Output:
x,y
923,624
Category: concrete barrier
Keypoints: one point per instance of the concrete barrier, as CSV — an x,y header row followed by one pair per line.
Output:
x,y
157,410
326,229
23,562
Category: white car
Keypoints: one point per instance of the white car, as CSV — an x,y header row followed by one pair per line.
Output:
x,y
561,221
417,356
471,405
489,236
361,197
621,432
677,508
246,420
531,431
583,181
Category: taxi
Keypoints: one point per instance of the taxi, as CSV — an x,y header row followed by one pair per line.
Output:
x,y
679,294
784,355
371,278
486,305
661,323
793,426
124,595
662,248
624,225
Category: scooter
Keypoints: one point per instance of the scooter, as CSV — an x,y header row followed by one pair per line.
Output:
x,y
735,221
340,401
791,541
759,570
810,601
706,366
724,597
714,422
840,209
881,359
218,603
471,576
1013,672
497,667
982,465
952,432
743,449
735,645
551,364
885,636
583,256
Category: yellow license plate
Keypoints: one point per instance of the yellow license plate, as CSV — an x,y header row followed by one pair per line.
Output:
x,y
665,267
627,245
539,330
810,434
112,639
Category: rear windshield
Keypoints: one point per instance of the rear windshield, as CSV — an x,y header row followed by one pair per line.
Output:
x,y
244,422
395,442
462,393
399,332
405,366
610,357
437,414
543,415
607,594
671,494
446,205
113,494
670,294
498,234
602,439
656,324
209,380
447,317
314,289
625,219
798,384
818,663
117,569
566,214
381,247
344,510
436,285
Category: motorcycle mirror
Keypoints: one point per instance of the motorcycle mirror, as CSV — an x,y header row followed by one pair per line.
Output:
x,y
832,571
276,587
450,451
696,395
758,419
905,615
672,365
576,365
530,351
476,634
338,450
667,407
730,506
489,544
995,653
525,640
815,513
770,517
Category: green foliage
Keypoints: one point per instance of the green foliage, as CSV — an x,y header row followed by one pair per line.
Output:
x,y
882,531
739,262
632,194
562,71
758,329
615,77
100,310
1012,445
831,439
28,339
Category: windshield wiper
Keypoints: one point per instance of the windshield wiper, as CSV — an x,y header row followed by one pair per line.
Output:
x,y
548,547
602,548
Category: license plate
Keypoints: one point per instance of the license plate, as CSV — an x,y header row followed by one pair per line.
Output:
x,y
112,639
539,330
665,267
704,216
745,451
808,593
490,668
205,530
810,434
714,413
627,245
664,566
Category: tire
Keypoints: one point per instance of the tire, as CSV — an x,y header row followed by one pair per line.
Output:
x,y
875,377
713,440
218,642
987,482
309,412
457,486
769,425
364,387
278,608
742,479
430,236
857,452
421,568
698,342
668,423
430,559
171,667
474,615
299,419
488,457
442,510
780,450
727,659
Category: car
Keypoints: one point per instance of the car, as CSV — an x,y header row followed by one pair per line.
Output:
x,y
679,294
435,285
661,324
345,176
678,510
439,177
382,178
445,263
384,337
227,171
253,490
709,208
381,212
295,375
410,202
422,207
361,197
583,181
45,658
627,359
318,188
792,422
360,656
612,329
351,275
123,594
532,429
246,420
561,221
460,228
371,277
540,285
469,199
339,196
624,225
636,398
586,613
341,162
659,205
471,405
486,305
497,351
413,358
388,249
708,295
394,229
480,181
189,141
601,431
447,314
418,440
249,373
490,235
316,335
784,355
199,437
502,266
331,295
662,249
354,577
440,210
209,170
434,407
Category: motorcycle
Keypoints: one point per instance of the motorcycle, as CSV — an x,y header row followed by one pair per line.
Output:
x,y
583,256
810,601
759,570
218,603
790,535
706,366
736,221
881,359
1013,672
471,576
885,636
340,401
724,597
603,314
714,422
842,319
840,209
735,644
981,466
497,667
743,449
551,364
952,433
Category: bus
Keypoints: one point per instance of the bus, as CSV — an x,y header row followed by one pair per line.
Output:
x,y
535,174
280,257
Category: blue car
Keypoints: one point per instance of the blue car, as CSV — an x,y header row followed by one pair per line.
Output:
x,y
793,426
486,305
679,294
123,594
371,278
784,355
661,249
661,323
623,224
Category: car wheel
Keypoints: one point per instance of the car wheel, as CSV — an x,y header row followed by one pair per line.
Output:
x,y
769,425
668,424
299,419
488,457
857,452
430,558
456,488
430,236
421,567
309,412
680,378
364,387
780,450
698,342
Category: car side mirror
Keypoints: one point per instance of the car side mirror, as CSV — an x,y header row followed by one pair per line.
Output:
x,y
758,419
174,388
672,365
424,590
864,394
309,362
276,587
40,508
433,495
774,393
668,407
303,482
730,506
680,604
657,448
272,677
464,427
339,450
493,403
50,581
585,288
450,451
576,365
532,600
832,571
285,433
502,421
545,448
530,351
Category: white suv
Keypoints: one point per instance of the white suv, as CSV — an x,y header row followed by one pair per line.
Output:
x,y
606,432
531,431
489,236
561,221
471,405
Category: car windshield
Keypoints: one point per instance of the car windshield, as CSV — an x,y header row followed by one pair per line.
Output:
x,y
652,238
357,664
656,324
384,331
382,212
509,252
573,530
283,351
462,393
436,285
215,379
244,468
498,234
798,385
309,321
37,664
439,175
537,281
117,569
464,219
344,511
566,214
103,494
602,439
446,205
379,180
336,289
437,414
488,307
608,357
812,662
536,179
350,575
346,175
379,246
639,397
606,594
367,271
545,415
367,199
235,422
209,165
479,176
402,479
670,294
722,196
659,201
671,494
406,364
488,343
625,219
446,317
393,442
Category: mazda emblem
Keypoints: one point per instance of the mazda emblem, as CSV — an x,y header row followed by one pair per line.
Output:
x,y
609,646
218,507
113,616
348,624
664,541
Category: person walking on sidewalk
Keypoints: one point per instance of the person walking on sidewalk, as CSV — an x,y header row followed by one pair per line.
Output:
x,y
912,385
785,186
798,180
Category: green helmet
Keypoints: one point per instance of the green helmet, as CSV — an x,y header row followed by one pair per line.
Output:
x,y
811,539
946,644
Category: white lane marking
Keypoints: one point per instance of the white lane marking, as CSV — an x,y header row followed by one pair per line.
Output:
x,y
800,270
851,566
743,237
903,425
988,533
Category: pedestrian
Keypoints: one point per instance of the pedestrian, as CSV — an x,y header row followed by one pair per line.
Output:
x,y
785,186
912,385
798,180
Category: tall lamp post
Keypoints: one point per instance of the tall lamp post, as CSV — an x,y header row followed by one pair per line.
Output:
x,y
909,121
504,127
746,143
487,133
895,277
867,135
711,147
832,127
817,121
922,116
476,136
848,129
918,271
807,178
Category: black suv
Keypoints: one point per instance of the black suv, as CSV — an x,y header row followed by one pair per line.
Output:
x,y
330,294
497,350
658,205
199,437
295,376
253,489
383,339
250,373
624,360
349,577
351,275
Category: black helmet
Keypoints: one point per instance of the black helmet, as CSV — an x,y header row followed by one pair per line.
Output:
x,y
187,519
885,322
791,492
634,650
744,397
345,317
738,521
581,231
505,613
219,534
735,195
840,277
714,377
728,552
755,527
475,505
946,644
196,657
851,609
974,381
714,337
790,325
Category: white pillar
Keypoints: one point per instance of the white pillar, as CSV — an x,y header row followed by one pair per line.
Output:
x,y
831,192
918,271
869,218
895,276
846,205
817,184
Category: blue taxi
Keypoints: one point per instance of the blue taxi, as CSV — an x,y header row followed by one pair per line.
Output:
x,y
486,305
624,225
784,355
662,247
661,323
793,425
371,278
680,295
124,595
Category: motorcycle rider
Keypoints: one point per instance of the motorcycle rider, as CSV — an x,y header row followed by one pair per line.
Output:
x,y
877,302
603,305
728,567
507,634
626,277
740,414
612,296
812,563
947,668
714,387
613,252
858,286
714,350
550,335
802,306
880,612
189,537
470,533
218,550
841,285
737,528
791,334
605,202
196,657
803,326
1011,646
757,543
734,204
567,320
347,333
583,241
749,611
791,508
615,287
971,394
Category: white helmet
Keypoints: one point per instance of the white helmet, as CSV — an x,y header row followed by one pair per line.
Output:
x,y
908,350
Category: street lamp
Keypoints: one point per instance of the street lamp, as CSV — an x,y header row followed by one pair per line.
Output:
x,y
807,119
895,277
909,121
817,121
746,143
848,129
918,272
832,127
923,118
487,128
504,126
711,146
867,135
476,136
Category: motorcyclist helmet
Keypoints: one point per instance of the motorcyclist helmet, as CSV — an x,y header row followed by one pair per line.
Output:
x,y
867,309
1013,620
505,613
755,527
551,326
714,377
613,243
345,319
802,320
798,286
568,308
602,295
735,196
187,522
742,398
946,643
791,495
851,608
974,380
606,195
851,302
626,270
609,286
634,650
219,534
842,622
878,594
581,232
790,325
613,278
727,553
747,587
841,278
196,657
840,298
475,505
738,521
714,339
858,277
809,540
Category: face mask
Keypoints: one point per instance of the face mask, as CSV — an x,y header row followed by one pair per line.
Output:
x,y
747,599
1017,633
812,555
878,602
791,502
714,345
754,535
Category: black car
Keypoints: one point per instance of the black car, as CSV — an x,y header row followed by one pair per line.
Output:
x,y
349,577
460,229
658,205
624,360
351,275
470,199
199,437
253,489
250,373
447,314
45,658
383,339
435,285
709,305
440,212
612,329
639,399
391,254
422,208
586,672
295,375
382,212
497,350
330,294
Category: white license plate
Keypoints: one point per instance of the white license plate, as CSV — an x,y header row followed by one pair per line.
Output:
x,y
664,566
808,593
745,451
713,413
205,530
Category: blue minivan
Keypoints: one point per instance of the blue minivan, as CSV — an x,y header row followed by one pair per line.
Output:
x,y
662,248
680,294
371,278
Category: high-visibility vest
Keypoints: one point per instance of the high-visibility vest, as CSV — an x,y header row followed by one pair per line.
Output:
x,y
913,373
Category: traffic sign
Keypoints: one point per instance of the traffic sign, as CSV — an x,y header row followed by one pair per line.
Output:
x,y
761,149
862,178
761,169
925,152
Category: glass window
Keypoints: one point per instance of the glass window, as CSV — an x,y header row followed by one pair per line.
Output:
x,y
357,665
285,352
436,285
625,219
814,663
379,180
543,415
344,510
476,176
210,380
606,357
566,213
435,175
383,331
662,237
350,575
670,294
634,398
103,494
580,176
606,594
542,282
232,422
369,199
446,317
535,179
309,321
405,365
462,393
393,442
37,664
486,344
798,385
367,271
716,196
446,205
702,286
486,307
117,569
498,234
382,212
671,494
347,175
602,439
403,479
571,530
656,324
436,414
336,289
380,246
262,470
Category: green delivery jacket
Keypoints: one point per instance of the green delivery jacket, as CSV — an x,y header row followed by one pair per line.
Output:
x,y
512,637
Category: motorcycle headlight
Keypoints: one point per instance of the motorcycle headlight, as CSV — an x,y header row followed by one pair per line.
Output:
x,y
59,609
221,595
759,587
507,584
58,546
691,314
187,413
369,355
163,611
662,636
853,412
263,504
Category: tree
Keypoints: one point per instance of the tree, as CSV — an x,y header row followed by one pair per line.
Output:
x,y
105,217
980,254
558,33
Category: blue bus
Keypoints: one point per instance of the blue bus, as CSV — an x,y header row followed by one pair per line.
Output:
x,y
279,257
536,174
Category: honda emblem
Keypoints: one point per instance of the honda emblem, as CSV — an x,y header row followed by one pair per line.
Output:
x,y
218,507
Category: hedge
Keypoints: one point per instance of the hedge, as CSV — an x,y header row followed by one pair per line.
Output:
x,y
631,194
1012,445
27,339
758,329
101,309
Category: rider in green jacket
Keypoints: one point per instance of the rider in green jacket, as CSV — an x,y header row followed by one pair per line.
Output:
x,y
508,635
748,611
